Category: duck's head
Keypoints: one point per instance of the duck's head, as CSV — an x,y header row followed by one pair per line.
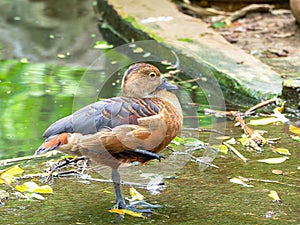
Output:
x,y
142,80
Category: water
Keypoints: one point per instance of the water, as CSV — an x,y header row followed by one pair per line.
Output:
x,y
33,95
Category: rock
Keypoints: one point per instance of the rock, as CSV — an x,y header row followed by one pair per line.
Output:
x,y
295,7
291,92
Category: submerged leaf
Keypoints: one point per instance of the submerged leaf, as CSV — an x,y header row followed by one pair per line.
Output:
x,y
274,160
118,211
295,130
221,148
263,121
8,176
274,195
282,151
33,187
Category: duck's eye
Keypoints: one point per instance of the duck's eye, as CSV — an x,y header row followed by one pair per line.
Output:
x,y
152,75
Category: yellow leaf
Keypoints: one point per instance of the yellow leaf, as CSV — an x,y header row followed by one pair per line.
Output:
x,y
295,130
33,187
135,194
277,172
127,211
263,121
274,195
134,214
223,137
274,160
282,151
8,176
118,211
244,140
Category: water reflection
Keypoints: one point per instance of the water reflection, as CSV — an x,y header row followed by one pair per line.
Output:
x,y
41,30
60,32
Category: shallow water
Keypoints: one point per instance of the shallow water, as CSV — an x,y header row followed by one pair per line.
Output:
x,y
33,95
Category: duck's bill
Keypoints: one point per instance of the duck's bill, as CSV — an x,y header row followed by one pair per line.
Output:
x,y
168,86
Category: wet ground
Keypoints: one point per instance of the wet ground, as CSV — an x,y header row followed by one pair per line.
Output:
x,y
33,95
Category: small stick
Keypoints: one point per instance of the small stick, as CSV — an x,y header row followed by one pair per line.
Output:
x,y
200,130
260,105
236,152
7,161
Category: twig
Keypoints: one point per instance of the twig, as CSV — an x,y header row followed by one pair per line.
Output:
x,y
244,11
260,105
272,181
236,152
201,12
201,130
18,159
219,113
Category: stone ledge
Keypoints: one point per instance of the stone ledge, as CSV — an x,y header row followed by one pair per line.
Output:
x,y
243,79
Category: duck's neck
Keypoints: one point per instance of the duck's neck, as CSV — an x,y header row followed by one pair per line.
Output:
x,y
171,98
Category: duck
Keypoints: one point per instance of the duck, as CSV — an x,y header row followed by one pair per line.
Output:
x,y
133,127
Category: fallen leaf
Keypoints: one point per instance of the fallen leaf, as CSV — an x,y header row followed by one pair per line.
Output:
x,y
277,172
135,194
127,211
102,45
134,214
33,187
223,137
282,151
295,130
295,138
274,196
263,121
240,181
274,160
221,148
118,211
8,176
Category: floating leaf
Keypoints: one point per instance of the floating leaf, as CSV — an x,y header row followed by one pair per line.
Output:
x,y
240,181
277,172
134,214
274,196
127,211
244,140
295,138
8,176
118,211
33,187
295,130
34,195
221,148
135,194
263,121
102,45
192,142
223,137
282,151
231,141
274,160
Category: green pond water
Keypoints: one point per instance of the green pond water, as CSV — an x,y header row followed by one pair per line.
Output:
x,y
34,95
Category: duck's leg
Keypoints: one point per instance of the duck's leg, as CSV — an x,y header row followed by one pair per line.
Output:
x,y
120,202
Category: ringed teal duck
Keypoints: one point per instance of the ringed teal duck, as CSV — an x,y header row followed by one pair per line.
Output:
x,y
128,128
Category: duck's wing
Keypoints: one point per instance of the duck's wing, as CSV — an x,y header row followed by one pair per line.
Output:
x,y
107,113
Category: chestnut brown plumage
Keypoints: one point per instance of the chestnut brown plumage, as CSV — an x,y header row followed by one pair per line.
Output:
x,y
132,127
